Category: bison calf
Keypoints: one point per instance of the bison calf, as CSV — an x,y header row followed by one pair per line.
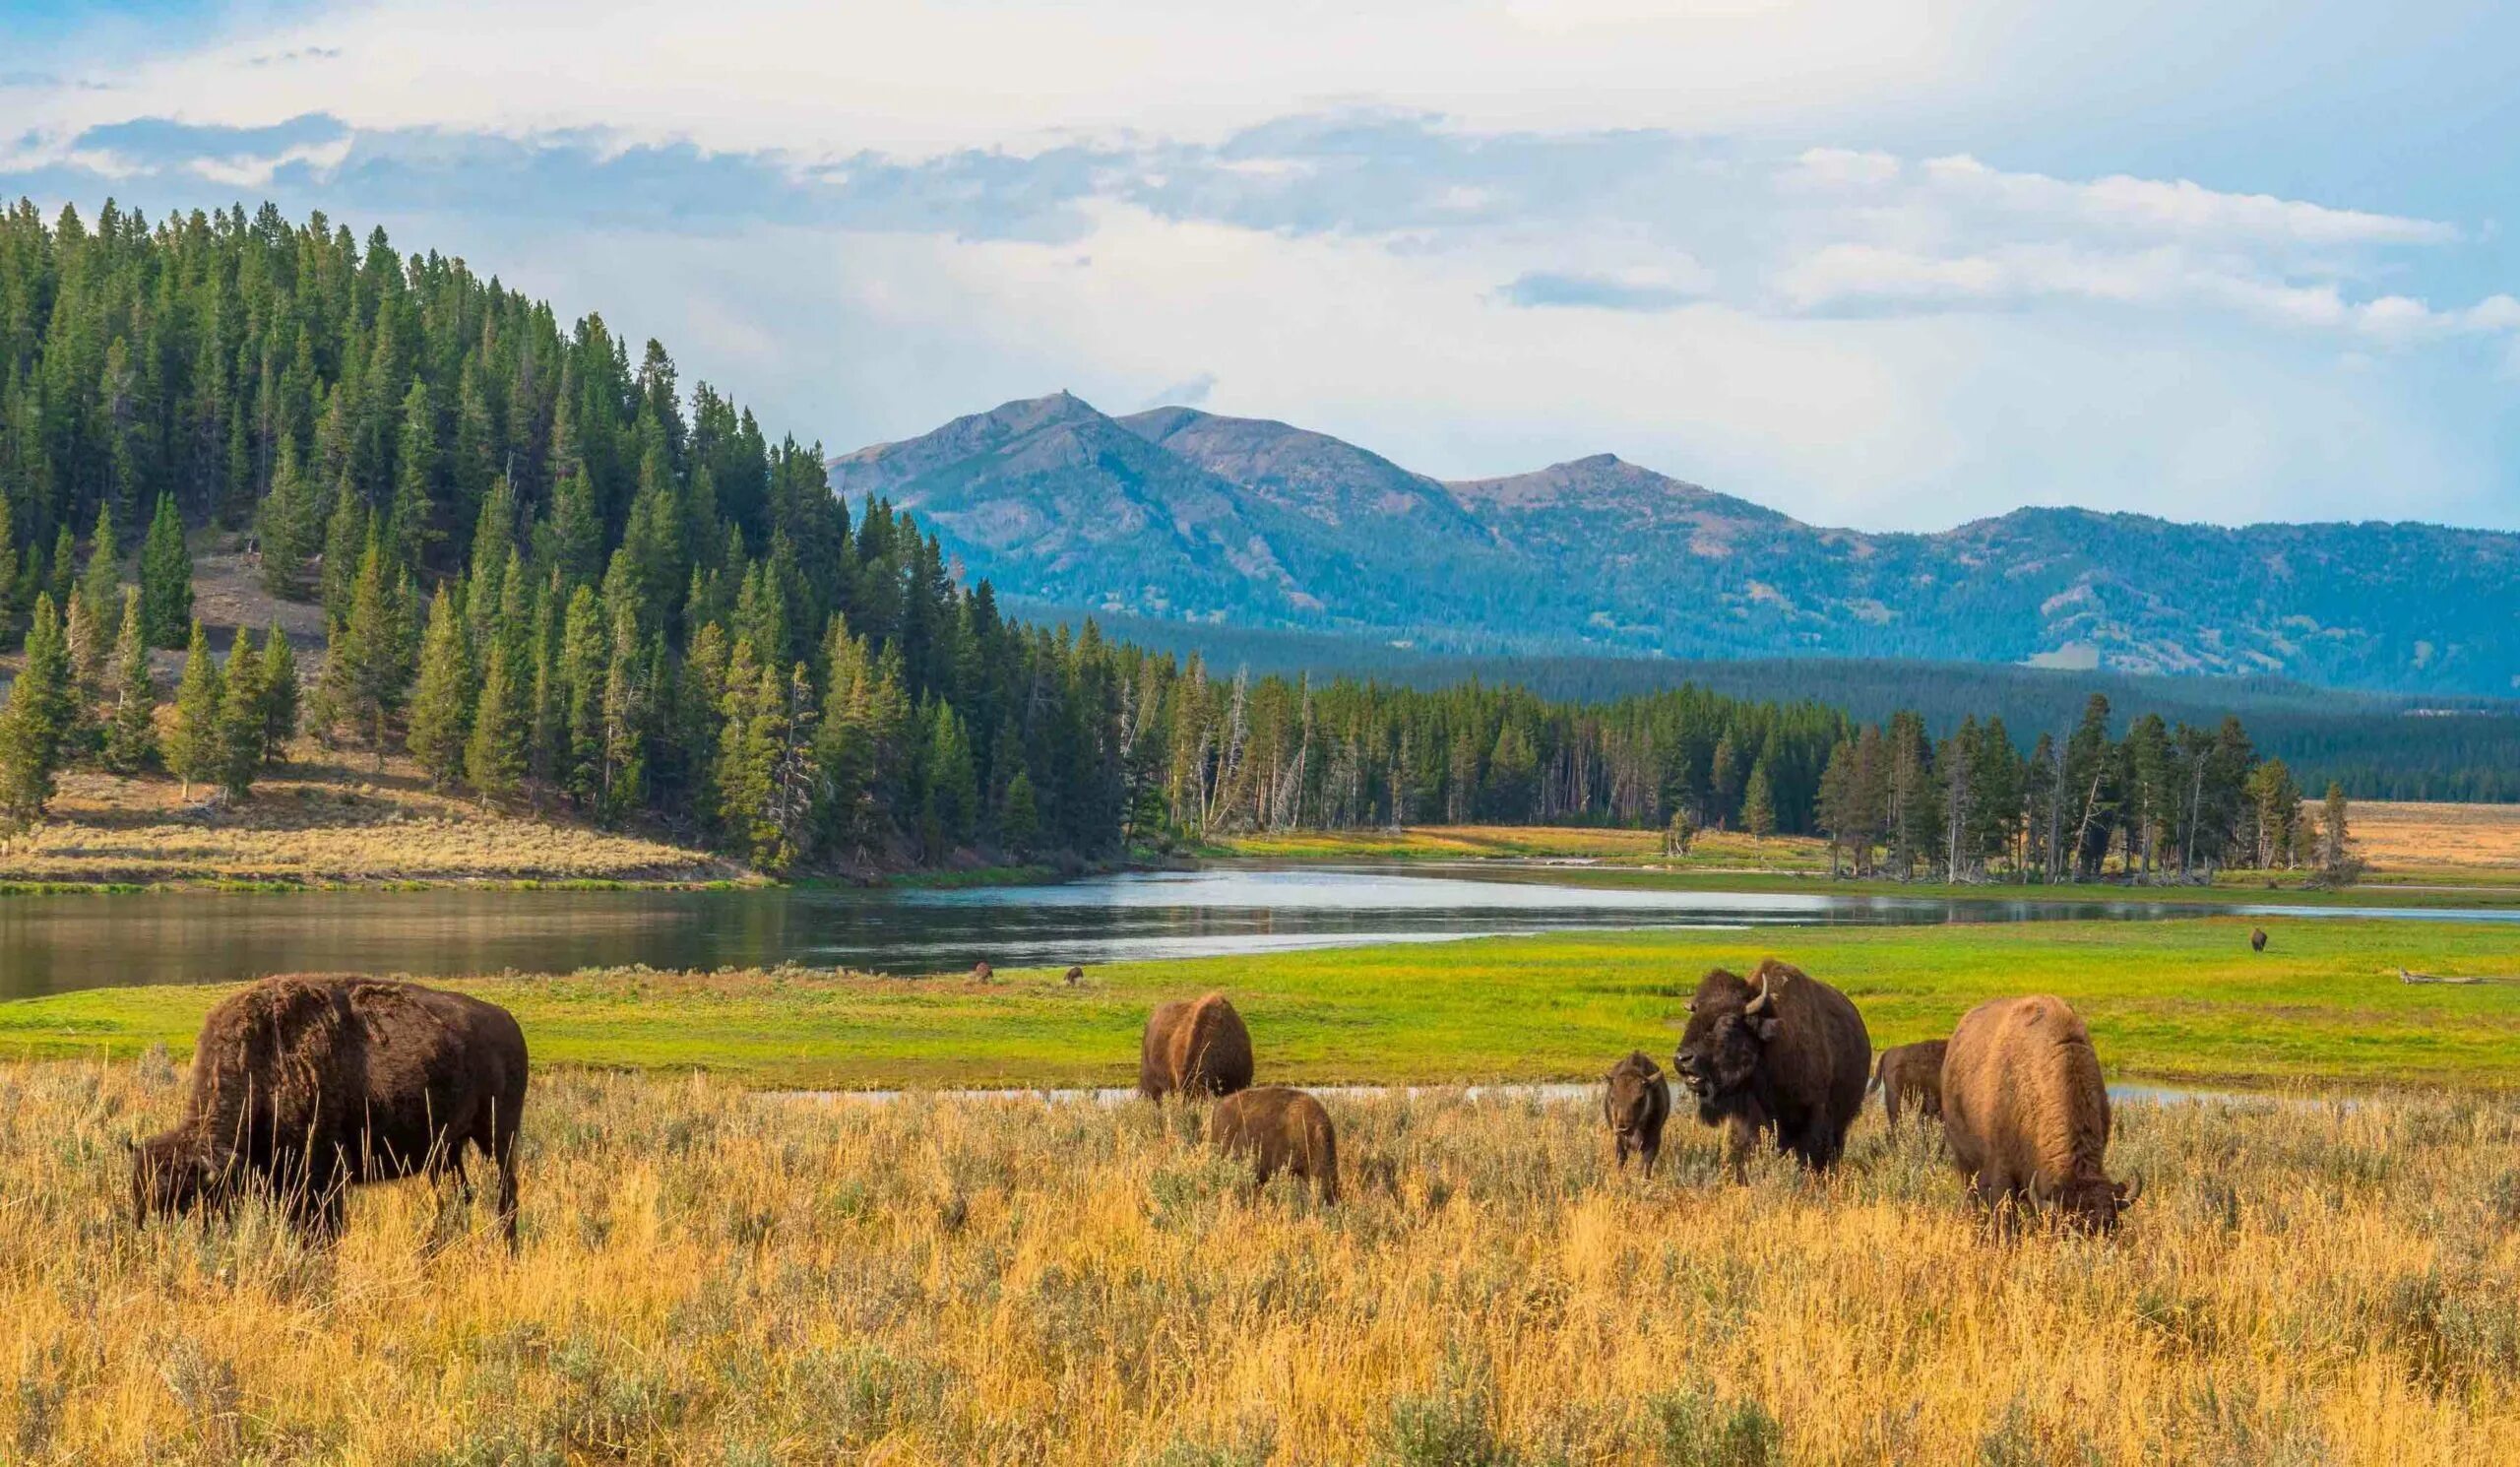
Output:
x,y
1279,1130
1911,1072
1636,1100
2027,1114
1780,1052
1194,1047
310,1085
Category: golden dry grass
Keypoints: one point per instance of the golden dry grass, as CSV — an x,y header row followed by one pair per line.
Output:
x,y
714,1277
2410,836
325,819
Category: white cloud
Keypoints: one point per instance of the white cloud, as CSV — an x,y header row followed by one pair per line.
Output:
x,y
2176,207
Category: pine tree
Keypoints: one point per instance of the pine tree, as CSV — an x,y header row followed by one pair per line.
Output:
x,y
286,528
415,468
241,713
83,738
369,655
131,728
1758,803
585,641
1021,820
2336,844
165,578
34,721
193,749
494,758
62,568
346,537
101,584
280,696
442,701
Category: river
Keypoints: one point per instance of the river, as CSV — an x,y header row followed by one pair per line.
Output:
x,y
55,943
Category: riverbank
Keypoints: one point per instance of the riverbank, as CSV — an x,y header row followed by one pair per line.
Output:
x,y
2175,1003
704,1278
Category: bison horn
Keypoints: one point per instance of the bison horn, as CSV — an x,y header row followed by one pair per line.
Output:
x,y
2131,1189
1766,995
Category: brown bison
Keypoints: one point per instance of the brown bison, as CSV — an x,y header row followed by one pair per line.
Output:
x,y
1780,1052
2027,1114
982,973
1279,1130
1076,975
1194,1047
2257,939
1636,1100
308,1085
1911,1072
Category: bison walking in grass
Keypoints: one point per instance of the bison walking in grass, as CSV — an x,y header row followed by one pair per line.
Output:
x,y
1779,1052
1278,1130
1636,1101
1912,1073
309,1085
2027,1112
2257,939
1194,1047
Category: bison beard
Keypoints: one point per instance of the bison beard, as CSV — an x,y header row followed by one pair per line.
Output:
x,y
1780,1052
309,1085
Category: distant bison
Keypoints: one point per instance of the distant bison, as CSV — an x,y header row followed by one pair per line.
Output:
x,y
982,973
1279,1130
1194,1047
1075,976
2027,1112
308,1085
1780,1052
1636,1101
2257,939
1911,1072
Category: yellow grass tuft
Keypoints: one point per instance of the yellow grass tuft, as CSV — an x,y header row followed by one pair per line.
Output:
x,y
712,1276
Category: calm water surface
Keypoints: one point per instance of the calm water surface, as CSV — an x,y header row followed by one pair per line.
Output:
x,y
50,944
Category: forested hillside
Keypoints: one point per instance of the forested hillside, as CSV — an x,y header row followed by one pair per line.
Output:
x,y
556,575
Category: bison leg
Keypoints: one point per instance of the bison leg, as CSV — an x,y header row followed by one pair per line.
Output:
x,y
1741,1134
1890,1105
1651,1149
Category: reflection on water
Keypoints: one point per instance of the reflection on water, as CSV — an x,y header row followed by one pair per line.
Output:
x,y
48,944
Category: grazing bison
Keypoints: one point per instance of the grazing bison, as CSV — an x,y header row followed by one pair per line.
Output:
x,y
982,973
1076,975
2027,1114
1779,1052
309,1085
1911,1072
1279,1130
2257,939
1194,1047
1636,1100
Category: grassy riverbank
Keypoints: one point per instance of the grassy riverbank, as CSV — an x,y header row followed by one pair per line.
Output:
x,y
709,1277
2180,1002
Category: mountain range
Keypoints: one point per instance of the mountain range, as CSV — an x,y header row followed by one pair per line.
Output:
x,y
1190,516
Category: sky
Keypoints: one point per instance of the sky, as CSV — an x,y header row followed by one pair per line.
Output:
x,y
1886,264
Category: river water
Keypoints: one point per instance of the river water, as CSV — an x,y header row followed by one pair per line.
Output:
x,y
51,944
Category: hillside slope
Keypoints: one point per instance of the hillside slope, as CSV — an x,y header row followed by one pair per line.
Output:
x,y
1188,515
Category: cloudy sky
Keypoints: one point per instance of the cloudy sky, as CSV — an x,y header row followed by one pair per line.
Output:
x,y
1882,263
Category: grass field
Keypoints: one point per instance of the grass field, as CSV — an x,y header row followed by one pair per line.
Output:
x,y
1710,849
711,1277
326,819
2181,1000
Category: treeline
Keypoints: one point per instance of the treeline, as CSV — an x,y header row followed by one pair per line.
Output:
x,y
2165,801
554,576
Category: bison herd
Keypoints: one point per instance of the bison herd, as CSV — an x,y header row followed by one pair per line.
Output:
x,y
306,1086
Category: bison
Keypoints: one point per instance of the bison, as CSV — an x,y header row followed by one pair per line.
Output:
x,y
1780,1052
1076,975
2257,939
1912,1071
309,1085
1636,1100
1194,1047
2027,1114
1279,1130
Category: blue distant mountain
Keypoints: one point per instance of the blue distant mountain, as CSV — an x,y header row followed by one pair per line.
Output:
x,y
1243,522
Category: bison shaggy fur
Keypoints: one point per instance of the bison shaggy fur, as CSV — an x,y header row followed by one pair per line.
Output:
x,y
311,1084
2027,1114
1780,1052
1912,1073
1278,1130
1636,1101
1194,1047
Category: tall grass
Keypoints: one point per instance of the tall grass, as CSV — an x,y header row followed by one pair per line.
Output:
x,y
718,1277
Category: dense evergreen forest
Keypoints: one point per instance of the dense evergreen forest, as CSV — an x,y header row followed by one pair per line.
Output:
x,y
553,575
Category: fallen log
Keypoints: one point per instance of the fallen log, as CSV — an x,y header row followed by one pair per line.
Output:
x,y
2464,980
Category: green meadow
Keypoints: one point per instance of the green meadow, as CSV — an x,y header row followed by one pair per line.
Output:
x,y
2181,1001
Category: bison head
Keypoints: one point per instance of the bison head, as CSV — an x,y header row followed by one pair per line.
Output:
x,y
2092,1203
169,1175
1730,1022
